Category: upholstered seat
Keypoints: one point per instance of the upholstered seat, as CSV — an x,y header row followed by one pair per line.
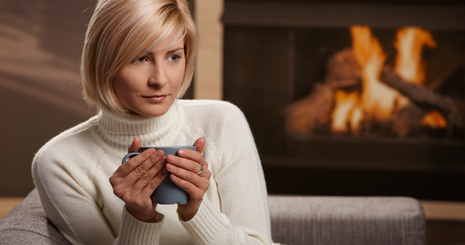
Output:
x,y
294,220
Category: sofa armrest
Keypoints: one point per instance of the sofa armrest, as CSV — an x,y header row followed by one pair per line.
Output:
x,y
294,220
347,220
27,224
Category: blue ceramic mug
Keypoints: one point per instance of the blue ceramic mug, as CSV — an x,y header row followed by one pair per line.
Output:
x,y
167,192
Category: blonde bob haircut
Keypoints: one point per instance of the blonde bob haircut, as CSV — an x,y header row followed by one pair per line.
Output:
x,y
122,30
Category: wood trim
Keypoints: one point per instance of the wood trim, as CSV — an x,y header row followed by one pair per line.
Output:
x,y
209,69
7,204
298,14
442,210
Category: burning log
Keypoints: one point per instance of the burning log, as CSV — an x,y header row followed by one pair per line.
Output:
x,y
416,93
424,100
343,70
313,112
406,121
305,115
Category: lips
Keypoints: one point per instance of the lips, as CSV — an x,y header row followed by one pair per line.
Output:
x,y
156,98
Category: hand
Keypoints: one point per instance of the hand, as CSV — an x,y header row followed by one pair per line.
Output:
x,y
184,171
134,181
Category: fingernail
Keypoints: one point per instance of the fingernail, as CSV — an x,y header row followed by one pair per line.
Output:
x,y
170,167
170,158
173,177
159,154
151,151
181,152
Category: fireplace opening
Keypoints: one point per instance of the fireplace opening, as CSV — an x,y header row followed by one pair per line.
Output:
x,y
400,83
351,99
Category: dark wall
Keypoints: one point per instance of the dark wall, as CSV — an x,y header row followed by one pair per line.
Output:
x,y
40,94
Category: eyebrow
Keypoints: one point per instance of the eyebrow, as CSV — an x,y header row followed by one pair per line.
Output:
x,y
169,52
175,50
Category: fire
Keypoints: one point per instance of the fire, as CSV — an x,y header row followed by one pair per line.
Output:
x,y
377,98
377,101
434,120
409,44
346,106
409,66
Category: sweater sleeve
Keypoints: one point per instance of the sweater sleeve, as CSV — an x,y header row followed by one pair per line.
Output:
x,y
244,215
67,203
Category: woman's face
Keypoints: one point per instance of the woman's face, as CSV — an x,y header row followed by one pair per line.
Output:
x,y
149,84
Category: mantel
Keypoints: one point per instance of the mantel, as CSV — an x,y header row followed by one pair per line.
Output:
x,y
338,15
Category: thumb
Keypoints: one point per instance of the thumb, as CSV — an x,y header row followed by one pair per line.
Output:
x,y
200,144
135,146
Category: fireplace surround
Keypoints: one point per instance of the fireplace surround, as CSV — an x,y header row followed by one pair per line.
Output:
x,y
276,53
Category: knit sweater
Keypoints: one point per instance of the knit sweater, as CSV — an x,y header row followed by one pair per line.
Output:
x,y
72,171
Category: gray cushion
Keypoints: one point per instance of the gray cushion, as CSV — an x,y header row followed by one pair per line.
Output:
x,y
27,224
347,220
294,220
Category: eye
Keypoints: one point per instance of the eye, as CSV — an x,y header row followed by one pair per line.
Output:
x,y
140,59
174,57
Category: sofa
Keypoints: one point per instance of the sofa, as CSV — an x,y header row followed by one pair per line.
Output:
x,y
295,220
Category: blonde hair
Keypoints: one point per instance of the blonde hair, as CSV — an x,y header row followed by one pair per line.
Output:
x,y
119,31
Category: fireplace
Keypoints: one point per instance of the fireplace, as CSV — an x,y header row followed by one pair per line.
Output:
x,y
351,99
421,96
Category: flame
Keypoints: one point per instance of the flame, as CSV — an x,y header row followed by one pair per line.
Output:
x,y
409,65
409,44
378,101
434,120
343,109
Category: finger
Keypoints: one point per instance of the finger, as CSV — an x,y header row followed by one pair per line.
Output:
x,y
188,176
135,146
194,156
148,189
143,168
200,144
127,186
195,193
189,161
140,164
119,181
153,177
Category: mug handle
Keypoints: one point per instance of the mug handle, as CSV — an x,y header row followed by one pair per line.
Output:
x,y
131,154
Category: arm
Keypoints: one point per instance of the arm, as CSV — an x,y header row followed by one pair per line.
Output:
x,y
70,208
68,203
243,217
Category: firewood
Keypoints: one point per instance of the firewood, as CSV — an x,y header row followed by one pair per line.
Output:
x,y
343,70
314,110
406,121
454,110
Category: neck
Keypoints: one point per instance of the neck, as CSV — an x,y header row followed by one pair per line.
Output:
x,y
118,132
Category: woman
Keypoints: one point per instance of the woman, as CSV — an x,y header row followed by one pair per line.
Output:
x,y
138,59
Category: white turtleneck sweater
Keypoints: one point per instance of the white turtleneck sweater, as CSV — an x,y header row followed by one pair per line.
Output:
x,y
72,171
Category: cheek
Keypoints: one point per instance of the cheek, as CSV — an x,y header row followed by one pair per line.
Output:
x,y
178,76
127,81
125,85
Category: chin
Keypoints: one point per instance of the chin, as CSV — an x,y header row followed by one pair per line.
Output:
x,y
153,112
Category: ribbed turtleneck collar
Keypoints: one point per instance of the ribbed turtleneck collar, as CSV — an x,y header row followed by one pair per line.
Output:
x,y
117,132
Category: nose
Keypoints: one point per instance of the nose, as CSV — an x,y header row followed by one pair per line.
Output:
x,y
158,76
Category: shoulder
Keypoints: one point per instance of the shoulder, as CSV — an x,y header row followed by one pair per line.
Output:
x,y
73,140
212,118
212,109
